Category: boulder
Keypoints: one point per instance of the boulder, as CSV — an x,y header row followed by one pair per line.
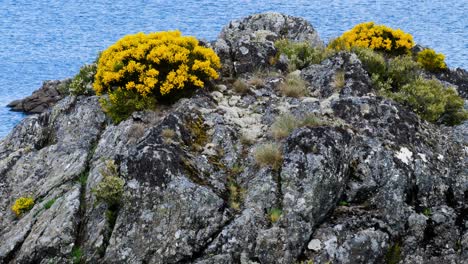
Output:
x,y
248,44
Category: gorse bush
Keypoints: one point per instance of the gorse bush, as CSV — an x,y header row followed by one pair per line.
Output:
x,y
161,66
300,54
402,70
22,205
375,37
431,61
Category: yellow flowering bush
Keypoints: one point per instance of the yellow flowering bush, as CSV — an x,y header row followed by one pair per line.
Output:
x,y
22,205
159,65
431,61
376,37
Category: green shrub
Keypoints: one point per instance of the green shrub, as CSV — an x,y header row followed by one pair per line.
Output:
x,y
82,83
300,54
110,189
430,100
402,70
293,86
122,103
431,61
269,154
373,62
140,69
284,125
76,255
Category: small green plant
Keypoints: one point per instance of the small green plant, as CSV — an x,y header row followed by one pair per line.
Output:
x,y
274,214
269,154
240,87
82,83
430,100
393,255
300,54
110,189
76,255
343,203
22,205
426,211
284,125
293,86
339,80
49,204
431,61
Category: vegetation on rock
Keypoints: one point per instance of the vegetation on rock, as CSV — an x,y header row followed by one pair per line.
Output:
x,y
110,189
22,205
431,61
300,54
144,68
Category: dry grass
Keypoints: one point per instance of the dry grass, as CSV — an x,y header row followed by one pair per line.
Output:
x,y
284,125
293,86
339,80
246,140
269,154
167,134
311,120
136,131
240,86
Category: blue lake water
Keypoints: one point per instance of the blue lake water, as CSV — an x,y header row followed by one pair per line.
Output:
x,y
43,40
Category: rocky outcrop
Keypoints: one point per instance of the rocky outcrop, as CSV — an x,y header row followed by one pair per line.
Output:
x,y
40,100
369,183
248,44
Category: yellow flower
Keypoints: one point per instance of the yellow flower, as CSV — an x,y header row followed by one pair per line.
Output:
x,y
22,205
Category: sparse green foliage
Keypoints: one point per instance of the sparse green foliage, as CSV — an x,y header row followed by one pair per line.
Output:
x,y
82,83
431,61
274,214
76,255
430,100
393,255
293,86
49,203
110,189
240,86
269,154
284,125
343,203
300,54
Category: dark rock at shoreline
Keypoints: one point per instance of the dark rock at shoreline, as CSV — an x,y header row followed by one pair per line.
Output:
x,y
40,100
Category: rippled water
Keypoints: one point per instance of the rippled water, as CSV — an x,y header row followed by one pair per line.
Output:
x,y
43,40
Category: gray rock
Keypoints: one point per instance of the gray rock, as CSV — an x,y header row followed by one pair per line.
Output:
x,y
248,44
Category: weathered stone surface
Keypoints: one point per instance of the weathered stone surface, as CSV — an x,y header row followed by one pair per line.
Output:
x,y
371,182
248,44
41,99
